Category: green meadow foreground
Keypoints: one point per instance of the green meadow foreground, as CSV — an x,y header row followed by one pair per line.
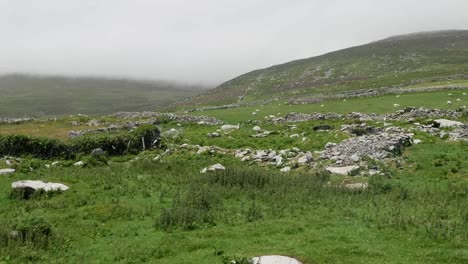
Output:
x,y
155,206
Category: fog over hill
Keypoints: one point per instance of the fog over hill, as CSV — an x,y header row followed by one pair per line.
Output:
x,y
37,95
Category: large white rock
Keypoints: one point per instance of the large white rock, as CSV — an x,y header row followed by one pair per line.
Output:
x,y
32,186
286,169
214,167
6,171
79,163
447,123
342,170
229,127
257,129
275,260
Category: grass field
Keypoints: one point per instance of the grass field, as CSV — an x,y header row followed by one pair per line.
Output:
x,y
136,209
380,104
166,212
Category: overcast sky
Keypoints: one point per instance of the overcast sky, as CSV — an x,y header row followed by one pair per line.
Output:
x,y
207,41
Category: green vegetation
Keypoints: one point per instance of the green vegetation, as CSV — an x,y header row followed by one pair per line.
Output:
x,y
378,104
166,212
421,60
29,95
118,143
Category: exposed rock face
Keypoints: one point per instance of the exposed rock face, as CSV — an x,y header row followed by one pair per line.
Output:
x,y
29,187
6,171
275,260
379,146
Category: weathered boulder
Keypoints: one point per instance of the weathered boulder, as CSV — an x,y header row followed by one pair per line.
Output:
x,y
98,152
79,163
229,127
347,170
274,259
29,187
441,123
213,168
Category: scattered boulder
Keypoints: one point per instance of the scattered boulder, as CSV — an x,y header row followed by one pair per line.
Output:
x,y
286,169
93,122
257,129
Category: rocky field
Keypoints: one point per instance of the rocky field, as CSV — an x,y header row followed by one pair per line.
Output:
x,y
325,187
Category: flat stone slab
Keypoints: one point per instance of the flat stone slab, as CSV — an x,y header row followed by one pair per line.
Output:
x,y
39,185
342,170
275,260
6,171
215,167
447,123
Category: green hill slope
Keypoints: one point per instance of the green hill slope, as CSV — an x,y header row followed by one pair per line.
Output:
x,y
27,95
420,59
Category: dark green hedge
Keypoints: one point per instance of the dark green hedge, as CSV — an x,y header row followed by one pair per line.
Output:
x,y
114,143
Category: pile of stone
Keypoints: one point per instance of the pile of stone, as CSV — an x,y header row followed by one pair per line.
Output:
x,y
287,157
379,146
298,117
409,113
205,120
460,133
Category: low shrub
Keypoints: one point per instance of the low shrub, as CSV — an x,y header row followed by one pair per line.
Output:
x,y
143,137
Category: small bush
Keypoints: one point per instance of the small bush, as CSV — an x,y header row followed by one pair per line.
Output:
x,y
34,231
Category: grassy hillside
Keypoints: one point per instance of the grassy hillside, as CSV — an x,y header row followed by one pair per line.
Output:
x,y
26,95
422,59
